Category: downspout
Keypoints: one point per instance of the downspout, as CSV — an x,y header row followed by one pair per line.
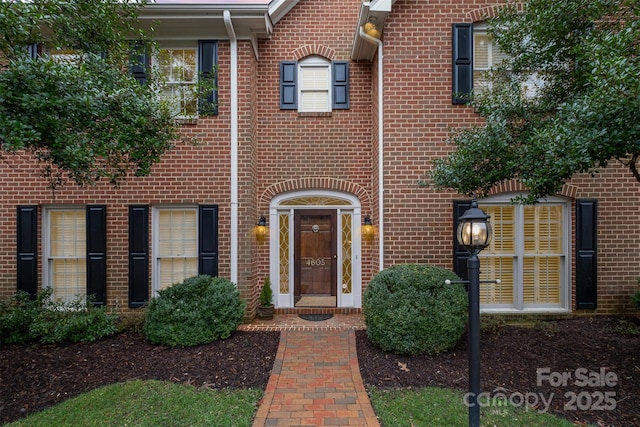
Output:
x,y
234,146
374,40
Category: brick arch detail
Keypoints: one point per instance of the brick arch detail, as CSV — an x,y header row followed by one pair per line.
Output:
x,y
314,183
484,13
320,50
515,186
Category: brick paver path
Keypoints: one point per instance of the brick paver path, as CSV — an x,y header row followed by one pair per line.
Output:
x,y
316,382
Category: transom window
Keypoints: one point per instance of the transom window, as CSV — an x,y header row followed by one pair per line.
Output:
x,y
528,253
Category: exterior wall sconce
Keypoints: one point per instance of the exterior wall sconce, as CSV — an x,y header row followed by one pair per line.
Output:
x,y
368,230
261,230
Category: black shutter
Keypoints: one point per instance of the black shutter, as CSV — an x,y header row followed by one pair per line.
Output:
x,y
27,250
586,254
288,87
207,64
462,62
32,51
340,81
139,62
460,254
97,253
138,255
208,240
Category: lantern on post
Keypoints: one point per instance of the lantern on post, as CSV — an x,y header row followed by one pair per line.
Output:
x,y
474,234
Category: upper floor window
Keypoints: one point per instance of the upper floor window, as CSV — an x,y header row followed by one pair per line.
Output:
x,y
314,84
486,55
177,73
475,55
186,75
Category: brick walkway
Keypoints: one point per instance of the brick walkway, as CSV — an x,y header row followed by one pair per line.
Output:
x,y
315,379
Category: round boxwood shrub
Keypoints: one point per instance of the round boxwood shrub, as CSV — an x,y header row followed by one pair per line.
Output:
x,y
409,310
200,310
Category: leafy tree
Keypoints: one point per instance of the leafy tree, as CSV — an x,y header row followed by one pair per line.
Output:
x,y
580,60
84,118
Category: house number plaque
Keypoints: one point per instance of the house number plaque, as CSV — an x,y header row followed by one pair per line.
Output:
x,y
315,262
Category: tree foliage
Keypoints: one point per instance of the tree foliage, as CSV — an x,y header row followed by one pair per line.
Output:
x,y
580,60
85,119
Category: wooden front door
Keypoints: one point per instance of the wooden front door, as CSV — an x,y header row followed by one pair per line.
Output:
x,y
315,252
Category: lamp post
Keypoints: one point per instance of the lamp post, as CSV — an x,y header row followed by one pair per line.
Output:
x,y
474,234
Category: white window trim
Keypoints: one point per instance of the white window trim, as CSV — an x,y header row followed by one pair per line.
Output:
x,y
155,223
319,63
155,70
565,292
47,274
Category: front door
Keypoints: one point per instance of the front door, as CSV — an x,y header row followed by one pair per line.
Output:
x,y
315,255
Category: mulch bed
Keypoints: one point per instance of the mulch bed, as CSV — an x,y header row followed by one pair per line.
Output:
x,y
33,377
511,357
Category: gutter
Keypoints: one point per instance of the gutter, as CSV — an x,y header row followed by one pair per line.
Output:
x,y
234,145
374,40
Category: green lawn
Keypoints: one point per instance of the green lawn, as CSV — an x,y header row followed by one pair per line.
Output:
x,y
151,403
438,407
161,403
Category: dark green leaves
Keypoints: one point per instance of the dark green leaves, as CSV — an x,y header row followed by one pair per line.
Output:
x,y
585,57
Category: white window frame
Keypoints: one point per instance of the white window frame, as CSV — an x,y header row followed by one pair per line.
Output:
x,y
48,274
565,285
175,100
318,64
483,84
155,226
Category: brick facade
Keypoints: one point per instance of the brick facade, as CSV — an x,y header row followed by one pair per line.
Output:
x,y
282,151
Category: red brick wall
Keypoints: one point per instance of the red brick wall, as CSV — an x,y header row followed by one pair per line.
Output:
x,y
284,150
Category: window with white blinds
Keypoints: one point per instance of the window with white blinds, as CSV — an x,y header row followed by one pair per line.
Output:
x,y
66,251
314,85
486,55
176,245
528,254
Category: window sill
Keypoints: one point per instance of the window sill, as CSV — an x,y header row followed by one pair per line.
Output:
x,y
315,114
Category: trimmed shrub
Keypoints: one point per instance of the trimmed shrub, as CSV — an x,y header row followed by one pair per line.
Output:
x,y
16,316
24,320
200,310
409,310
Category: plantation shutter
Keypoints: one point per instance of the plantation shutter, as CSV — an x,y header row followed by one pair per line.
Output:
x,y
288,88
543,254
207,62
340,82
498,260
139,62
586,254
208,240
460,254
462,62
97,253
27,240
138,255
